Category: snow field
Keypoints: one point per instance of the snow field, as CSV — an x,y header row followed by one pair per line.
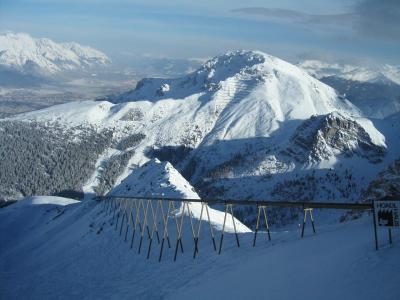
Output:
x,y
79,254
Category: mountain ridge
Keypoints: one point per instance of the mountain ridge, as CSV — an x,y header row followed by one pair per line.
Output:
x,y
375,90
21,52
228,133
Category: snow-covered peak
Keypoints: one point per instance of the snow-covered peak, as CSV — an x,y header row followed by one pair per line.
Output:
x,y
240,65
221,73
21,52
161,179
284,90
230,64
155,179
380,74
241,94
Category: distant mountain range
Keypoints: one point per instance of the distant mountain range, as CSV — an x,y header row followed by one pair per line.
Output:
x,y
30,62
388,74
19,52
375,90
37,73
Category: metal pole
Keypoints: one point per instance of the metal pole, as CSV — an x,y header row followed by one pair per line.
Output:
x,y
123,217
330,205
234,225
196,240
375,229
312,219
121,204
257,224
223,229
177,226
165,234
211,229
118,213
144,225
128,221
390,236
179,237
155,222
137,208
191,223
165,219
304,222
266,222
154,228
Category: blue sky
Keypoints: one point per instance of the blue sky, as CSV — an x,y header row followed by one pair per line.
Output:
x,y
290,29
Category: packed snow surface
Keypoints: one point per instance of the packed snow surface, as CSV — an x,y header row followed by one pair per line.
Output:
x,y
48,253
50,200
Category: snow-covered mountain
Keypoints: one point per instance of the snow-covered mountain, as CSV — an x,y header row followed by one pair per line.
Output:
x,y
384,73
375,90
244,125
23,53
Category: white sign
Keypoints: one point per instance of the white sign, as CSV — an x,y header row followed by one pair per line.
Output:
x,y
387,213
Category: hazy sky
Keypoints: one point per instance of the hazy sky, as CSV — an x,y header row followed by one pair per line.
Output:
x,y
350,30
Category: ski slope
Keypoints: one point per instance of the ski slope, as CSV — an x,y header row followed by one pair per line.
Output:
x,y
66,250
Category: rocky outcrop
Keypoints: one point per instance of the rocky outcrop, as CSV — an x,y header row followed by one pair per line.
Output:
x,y
322,137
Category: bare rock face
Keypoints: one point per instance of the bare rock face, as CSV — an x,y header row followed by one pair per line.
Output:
x,y
322,137
387,185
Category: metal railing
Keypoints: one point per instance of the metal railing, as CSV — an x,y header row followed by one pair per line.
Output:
x,y
143,215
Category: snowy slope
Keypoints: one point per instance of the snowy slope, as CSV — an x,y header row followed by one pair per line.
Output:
x,y
45,200
252,93
231,120
21,52
77,254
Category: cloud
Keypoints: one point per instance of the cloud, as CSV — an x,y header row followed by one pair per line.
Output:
x,y
289,15
378,18
371,18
